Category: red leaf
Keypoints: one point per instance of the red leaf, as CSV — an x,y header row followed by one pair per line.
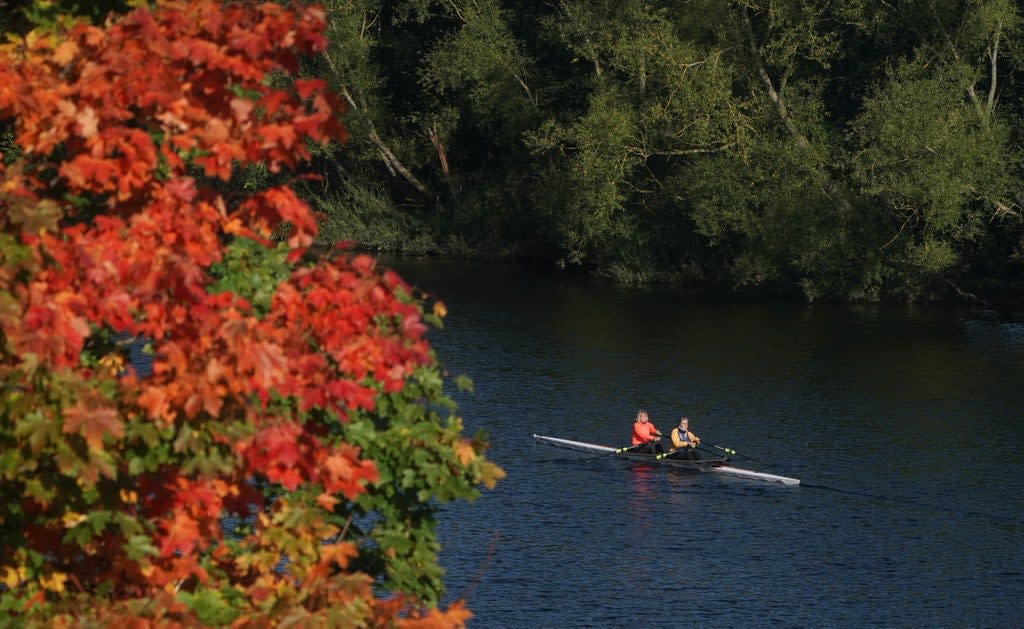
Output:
x,y
306,87
179,534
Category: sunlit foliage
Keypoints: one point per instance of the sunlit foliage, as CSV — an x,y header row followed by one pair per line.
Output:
x,y
282,462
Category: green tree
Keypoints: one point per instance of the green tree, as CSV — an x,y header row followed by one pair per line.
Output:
x,y
738,144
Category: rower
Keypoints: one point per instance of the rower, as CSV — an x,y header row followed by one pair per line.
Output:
x,y
684,441
644,432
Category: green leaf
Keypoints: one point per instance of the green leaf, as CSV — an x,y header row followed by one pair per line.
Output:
x,y
464,383
37,429
138,547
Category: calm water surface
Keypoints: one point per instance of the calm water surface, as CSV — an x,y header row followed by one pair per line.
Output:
x,y
904,427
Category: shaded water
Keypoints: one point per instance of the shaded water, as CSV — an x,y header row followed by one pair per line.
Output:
x,y
904,427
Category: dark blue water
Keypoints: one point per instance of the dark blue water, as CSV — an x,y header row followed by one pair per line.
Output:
x,y
904,427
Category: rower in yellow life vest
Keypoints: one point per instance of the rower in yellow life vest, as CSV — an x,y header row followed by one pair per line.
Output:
x,y
684,441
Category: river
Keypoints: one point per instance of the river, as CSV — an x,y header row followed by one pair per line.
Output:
x,y
904,426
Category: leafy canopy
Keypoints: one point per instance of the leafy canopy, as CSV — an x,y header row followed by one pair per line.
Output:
x,y
282,462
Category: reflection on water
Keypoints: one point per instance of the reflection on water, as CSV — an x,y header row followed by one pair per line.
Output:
x,y
905,427
642,493
1000,335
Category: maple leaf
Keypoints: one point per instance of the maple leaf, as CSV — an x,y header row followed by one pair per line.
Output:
x,y
491,474
53,581
179,534
34,216
352,395
87,122
343,472
454,617
65,52
157,403
287,477
266,361
327,501
135,106
464,451
93,423
85,172
307,87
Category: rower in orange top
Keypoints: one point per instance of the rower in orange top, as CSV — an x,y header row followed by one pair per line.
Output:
x,y
644,432
684,441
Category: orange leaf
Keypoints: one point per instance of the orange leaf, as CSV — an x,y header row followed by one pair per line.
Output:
x,y
93,423
65,52
464,452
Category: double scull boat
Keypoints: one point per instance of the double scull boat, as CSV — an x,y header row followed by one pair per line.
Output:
x,y
705,465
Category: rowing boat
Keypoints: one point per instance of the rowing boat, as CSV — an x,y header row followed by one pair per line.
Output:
x,y
704,465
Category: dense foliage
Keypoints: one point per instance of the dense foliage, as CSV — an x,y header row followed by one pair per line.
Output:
x,y
283,462
839,149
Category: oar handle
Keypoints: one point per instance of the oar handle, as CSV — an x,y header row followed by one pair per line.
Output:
x,y
639,445
672,451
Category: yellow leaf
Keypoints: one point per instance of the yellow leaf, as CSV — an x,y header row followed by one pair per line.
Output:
x,y
491,475
114,363
53,582
14,577
72,519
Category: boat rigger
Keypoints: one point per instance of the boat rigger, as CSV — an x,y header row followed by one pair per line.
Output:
x,y
718,466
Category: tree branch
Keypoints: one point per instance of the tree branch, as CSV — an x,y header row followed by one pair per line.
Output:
x,y
966,295
526,88
993,56
646,152
394,164
458,11
442,155
830,187
766,80
390,159
956,56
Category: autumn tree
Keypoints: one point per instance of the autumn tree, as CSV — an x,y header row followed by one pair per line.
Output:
x,y
283,460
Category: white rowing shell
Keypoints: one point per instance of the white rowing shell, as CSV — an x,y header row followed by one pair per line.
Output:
x,y
593,448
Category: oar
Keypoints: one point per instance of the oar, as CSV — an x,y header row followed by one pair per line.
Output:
x,y
709,449
723,449
673,451
735,453
619,451
639,445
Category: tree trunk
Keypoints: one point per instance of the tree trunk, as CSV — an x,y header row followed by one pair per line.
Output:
x,y
830,186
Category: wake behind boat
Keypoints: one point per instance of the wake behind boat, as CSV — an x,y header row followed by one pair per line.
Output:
x,y
705,465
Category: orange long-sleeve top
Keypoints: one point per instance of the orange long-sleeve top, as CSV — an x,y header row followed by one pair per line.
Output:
x,y
644,432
